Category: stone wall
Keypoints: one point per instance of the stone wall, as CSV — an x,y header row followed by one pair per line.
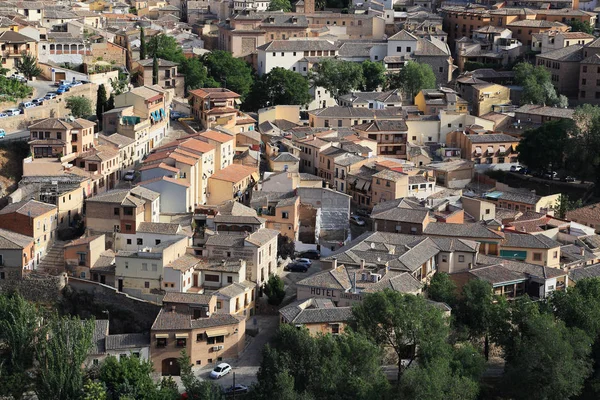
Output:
x,y
104,296
56,108
36,287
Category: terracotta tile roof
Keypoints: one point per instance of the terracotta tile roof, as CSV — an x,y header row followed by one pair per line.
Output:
x,y
234,173
217,136
182,159
587,213
214,93
83,240
197,145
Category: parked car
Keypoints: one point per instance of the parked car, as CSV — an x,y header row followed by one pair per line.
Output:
x,y
550,175
3,115
63,88
18,77
75,83
2,133
129,175
38,102
220,371
237,389
304,261
13,111
516,168
27,104
567,179
355,219
362,212
296,267
525,171
310,254
176,115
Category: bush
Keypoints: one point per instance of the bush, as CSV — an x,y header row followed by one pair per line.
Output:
x,y
275,290
286,247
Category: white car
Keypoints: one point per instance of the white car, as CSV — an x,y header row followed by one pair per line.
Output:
x,y
13,111
50,96
220,371
355,219
304,261
3,115
516,168
76,83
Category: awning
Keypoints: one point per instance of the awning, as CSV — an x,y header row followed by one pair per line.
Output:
x,y
490,149
162,335
477,149
361,184
502,149
220,332
162,112
367,186
181,335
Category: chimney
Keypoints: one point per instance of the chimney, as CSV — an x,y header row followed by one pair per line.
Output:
x,y
334,263
362,263
582,251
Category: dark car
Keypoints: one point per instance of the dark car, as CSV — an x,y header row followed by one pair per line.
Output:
x,y
296,267
567,179
362,212
311,254
525,171
237,389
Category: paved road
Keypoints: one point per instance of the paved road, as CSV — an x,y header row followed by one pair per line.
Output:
x,y
247,365
41,87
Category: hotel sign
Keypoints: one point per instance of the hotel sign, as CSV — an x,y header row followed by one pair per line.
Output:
x,y
335,294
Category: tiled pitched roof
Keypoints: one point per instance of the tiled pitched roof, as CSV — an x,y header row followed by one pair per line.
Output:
x,y
298,45
182,320
573,53
491,138
234,173
214,93
183,263
163,228
127,341
587,213
525,240
475,230
117,196
186,298
31,208
11,240
217,136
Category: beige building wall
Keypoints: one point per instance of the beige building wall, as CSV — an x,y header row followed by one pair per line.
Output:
x,y
382,192
479,209
198,346
545,257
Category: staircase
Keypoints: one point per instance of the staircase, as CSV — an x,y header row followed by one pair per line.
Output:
x,y
53,262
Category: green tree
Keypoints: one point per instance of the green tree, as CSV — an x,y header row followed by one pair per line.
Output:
x,y
279,86
277,5
19,320
101,104
128,376
479,311
442,288
110,103
194,388
579,307
155,70
232,73
60,357
196,74
546,145
27,65
337,76
565,205
286,247
413,78
79,106
405,323
274,288
166,48
373,75
581,26
300,366
537,86
549,359
143,50
437,381
583,158
94,391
